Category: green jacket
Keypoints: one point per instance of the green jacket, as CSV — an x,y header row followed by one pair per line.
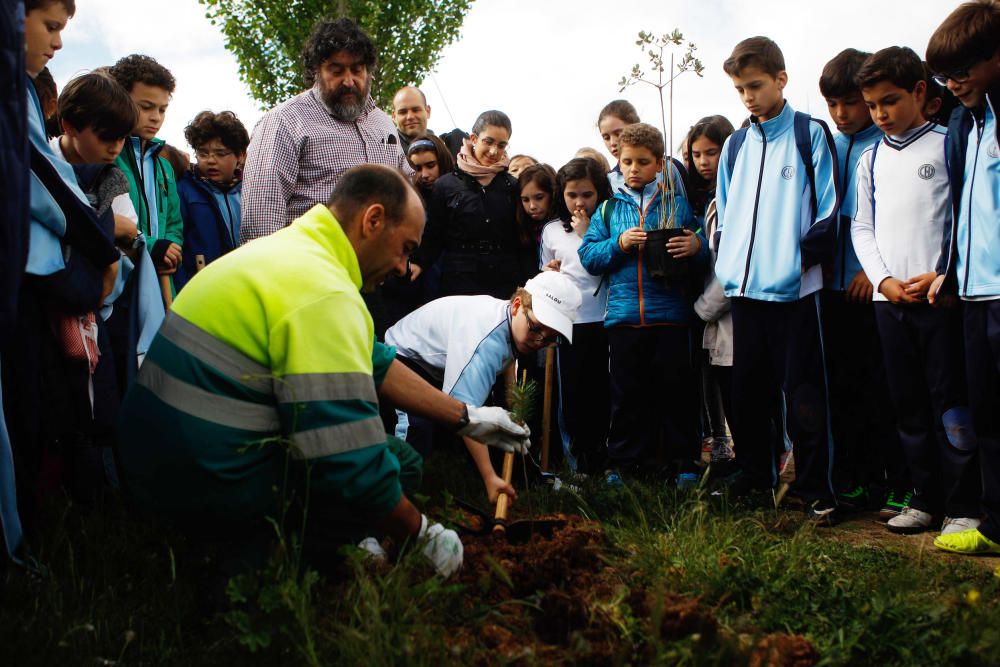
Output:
x,y
266,359
159,219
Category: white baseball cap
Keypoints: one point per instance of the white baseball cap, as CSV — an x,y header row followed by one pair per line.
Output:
x,y
554,301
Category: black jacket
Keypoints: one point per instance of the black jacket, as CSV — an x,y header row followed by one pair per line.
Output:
x,y
473,231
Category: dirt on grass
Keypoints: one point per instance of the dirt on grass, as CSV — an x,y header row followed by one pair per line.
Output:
x,y
558,600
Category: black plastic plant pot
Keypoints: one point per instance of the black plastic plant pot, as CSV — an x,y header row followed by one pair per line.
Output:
x,y
660,263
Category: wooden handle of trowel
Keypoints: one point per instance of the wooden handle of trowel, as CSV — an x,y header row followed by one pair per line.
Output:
x,y
550,366
167,291
503,500
199,263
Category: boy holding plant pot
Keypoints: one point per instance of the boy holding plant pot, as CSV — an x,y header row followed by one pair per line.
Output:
x,y
653,390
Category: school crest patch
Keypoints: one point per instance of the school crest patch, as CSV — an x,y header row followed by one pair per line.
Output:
x,y
926,171
788,172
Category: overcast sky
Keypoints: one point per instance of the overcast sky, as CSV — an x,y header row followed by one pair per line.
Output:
x,y
551,65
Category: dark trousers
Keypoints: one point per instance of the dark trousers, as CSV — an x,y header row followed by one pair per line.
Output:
x,y
713,403
584,394
982,363
654,395
778,347
922,347
864,426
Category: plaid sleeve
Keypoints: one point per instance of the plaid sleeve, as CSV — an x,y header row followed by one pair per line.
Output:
x,y
269,177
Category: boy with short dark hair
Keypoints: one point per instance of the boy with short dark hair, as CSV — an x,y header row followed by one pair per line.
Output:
x,y
867,461
777,203
901,215
965,54
653,390
151,178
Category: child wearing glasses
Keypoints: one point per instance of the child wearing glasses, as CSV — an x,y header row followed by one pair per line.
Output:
x,y
461,344
210,192
965,54
649,325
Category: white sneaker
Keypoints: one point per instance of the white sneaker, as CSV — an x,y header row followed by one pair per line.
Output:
x,y
910,521
958,524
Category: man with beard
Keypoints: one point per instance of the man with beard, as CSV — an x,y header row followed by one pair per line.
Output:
x,y
300,149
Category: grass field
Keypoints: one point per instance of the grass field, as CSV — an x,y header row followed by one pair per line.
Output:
x,y
639,576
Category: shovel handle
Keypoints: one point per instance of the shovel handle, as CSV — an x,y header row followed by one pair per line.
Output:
x,y
167,291
199,263
503,501
550,365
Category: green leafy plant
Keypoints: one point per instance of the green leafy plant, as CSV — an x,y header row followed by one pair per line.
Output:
x,y
267,37
661,76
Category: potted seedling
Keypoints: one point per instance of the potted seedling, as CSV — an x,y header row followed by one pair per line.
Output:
x,y
659,262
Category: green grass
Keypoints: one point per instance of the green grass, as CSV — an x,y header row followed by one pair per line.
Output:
x,y
122,591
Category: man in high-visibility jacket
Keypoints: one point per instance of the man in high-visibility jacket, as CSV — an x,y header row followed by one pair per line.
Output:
x,y
262,386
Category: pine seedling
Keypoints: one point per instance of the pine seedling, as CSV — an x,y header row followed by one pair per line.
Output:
x,y
521,400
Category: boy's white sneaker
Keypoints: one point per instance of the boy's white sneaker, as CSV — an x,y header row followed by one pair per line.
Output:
x,y
958,524
910,521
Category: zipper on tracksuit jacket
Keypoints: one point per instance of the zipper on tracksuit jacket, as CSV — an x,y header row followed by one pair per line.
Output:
x,y
756,205
843,240
980,128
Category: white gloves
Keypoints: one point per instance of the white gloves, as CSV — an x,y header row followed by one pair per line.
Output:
x,y
374,549
493,426
442,547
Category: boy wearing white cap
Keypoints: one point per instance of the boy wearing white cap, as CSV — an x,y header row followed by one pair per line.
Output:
x,y
462,343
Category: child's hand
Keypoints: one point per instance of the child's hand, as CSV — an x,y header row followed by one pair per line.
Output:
x,y
580,222
554,265
684,246
495,486
918,286
936,298
895,291
631,238
860,289
171,259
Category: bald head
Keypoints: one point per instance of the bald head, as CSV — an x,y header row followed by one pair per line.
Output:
x,y
410,111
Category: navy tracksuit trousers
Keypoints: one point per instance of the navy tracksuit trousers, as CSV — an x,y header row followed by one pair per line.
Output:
x,y
922,347
778,347
982,363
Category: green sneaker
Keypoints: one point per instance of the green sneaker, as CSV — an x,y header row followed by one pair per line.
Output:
x,y
854,499
967,542
894,504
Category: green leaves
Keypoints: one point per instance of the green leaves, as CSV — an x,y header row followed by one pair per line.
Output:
x,y
267,37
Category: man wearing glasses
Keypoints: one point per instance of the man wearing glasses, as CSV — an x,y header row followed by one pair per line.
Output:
x,y
461,344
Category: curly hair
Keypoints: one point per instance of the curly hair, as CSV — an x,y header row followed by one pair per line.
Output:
x,y
139,68
644,135
328,37
224,126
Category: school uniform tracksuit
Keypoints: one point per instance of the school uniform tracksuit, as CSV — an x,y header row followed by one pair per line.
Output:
x,y
863,425
771,242
971,261
902,213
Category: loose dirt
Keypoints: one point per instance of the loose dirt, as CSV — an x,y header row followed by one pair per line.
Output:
x,y
558,601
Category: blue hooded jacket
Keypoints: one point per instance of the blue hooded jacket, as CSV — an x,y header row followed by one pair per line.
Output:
x,y
211,222
634,299
849,148
771,242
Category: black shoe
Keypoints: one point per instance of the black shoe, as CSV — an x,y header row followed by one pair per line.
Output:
x,y
822,512
854,499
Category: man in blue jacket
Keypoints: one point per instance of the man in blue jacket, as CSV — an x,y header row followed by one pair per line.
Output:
x,y
777,202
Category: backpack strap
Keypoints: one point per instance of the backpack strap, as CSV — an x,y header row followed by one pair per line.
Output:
x,y
803,142
735,144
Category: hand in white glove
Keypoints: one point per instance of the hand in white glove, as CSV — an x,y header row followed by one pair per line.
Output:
x,y
374,549
442,547
493,426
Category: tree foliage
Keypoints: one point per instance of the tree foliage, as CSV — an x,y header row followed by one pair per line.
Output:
x,y
267,36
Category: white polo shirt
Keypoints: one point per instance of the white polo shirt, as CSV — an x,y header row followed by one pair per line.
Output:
x,y
463,341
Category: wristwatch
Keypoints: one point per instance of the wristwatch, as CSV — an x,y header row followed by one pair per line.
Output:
x,y
137,242
464,420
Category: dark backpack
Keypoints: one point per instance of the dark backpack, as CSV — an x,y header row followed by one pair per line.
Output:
x,y
803,141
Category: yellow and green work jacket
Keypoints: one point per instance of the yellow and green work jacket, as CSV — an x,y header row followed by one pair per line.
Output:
x,y
270,349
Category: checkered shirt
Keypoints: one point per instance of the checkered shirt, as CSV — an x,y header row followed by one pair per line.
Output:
x,y
298,152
